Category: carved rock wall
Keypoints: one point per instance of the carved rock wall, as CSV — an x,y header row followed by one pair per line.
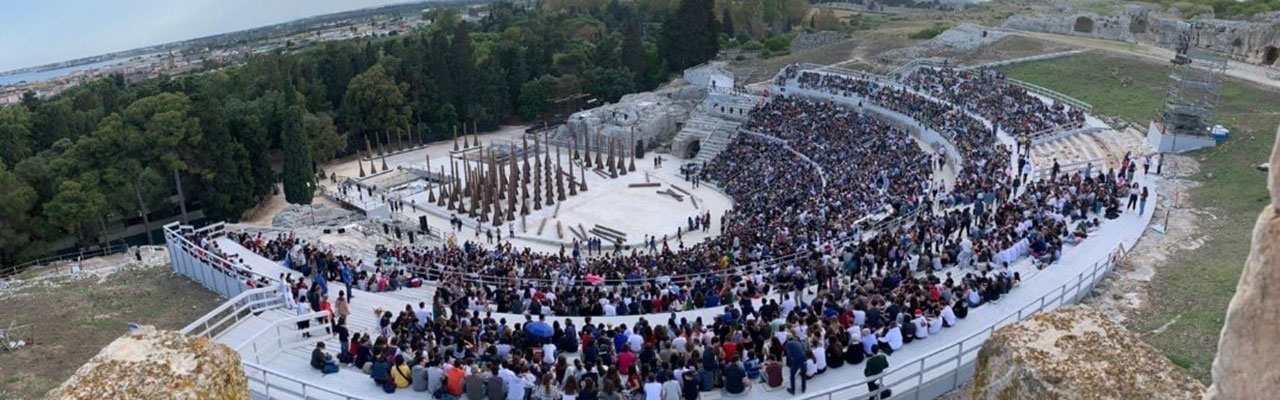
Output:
x,y
1255,42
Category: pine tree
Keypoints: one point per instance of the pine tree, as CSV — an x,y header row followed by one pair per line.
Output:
x,y
689,34
299,179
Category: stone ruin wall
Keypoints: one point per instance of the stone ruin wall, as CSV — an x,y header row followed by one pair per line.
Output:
x,y
1255,42
655,117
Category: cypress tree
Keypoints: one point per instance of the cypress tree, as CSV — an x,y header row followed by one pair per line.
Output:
x,y
726,21
299,178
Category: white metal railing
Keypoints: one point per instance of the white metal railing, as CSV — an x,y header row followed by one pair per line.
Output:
x,y
908,68
843,71
231,311
1053,94
1052,134
268,342
273,384
207,268
52,260
945,369
1041,173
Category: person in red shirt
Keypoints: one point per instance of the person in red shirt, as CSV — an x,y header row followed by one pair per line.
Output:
x,y
626,359
730,349
453,379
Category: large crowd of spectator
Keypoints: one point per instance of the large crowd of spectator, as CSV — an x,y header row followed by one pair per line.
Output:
x,y
803,175
988,93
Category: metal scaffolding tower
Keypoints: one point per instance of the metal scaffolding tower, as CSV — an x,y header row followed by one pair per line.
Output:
x,y
1196,80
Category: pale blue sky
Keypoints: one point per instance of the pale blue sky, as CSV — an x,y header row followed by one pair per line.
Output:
x,y
37,32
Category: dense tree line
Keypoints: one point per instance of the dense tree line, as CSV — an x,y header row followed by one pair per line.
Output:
x,y
109,152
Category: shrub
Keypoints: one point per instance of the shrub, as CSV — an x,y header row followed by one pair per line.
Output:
x,y
778,43
928,33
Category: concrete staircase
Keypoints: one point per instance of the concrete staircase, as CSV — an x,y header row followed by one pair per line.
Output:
x,y
697,128
362,320
713,124
716,142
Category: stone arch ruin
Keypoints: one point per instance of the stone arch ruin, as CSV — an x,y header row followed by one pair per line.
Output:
x,y
1084,24
1138,24
692,149
1269,55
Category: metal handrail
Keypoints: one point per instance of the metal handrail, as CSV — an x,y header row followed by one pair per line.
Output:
x,y
175,231
103,251
1053,94
841,71
235,304
262,375
916,368
277,347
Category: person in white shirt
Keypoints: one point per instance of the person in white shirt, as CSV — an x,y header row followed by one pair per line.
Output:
x,y
549,353
922,327
671,389
820,356
948,316
810,366
935,325
285,292
788,304
679,343
610,310
652,389
859,317
855,333
636,342
892,337
421,313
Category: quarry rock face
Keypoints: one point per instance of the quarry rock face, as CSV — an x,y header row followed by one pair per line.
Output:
x,y
152,364
648,116
1075,352
1255,42
1248,361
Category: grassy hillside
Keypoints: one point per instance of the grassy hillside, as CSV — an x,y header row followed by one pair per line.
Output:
x,y
1194,288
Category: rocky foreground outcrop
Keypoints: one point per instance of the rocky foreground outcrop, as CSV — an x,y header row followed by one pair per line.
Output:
x,y
1076,352
1248,362
152,364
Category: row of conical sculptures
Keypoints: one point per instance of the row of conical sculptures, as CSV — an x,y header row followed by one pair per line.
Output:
x,y
480,192
402,144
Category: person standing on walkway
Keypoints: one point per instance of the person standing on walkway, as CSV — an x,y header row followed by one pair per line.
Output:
x,y
1142,201
796,358
1133,196
875,366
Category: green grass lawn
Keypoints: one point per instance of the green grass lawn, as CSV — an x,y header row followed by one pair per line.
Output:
x,y
1197,284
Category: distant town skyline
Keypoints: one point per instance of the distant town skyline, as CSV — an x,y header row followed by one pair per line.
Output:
x,y
40,32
